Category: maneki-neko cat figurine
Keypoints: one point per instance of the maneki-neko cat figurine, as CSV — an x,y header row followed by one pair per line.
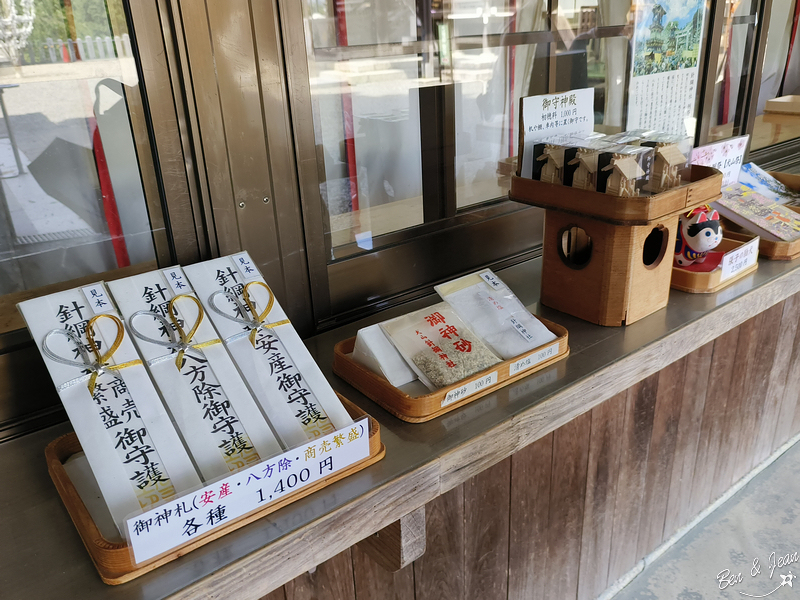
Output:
x,y
699,232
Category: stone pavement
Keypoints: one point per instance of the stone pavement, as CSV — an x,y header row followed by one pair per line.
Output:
x,y
747,548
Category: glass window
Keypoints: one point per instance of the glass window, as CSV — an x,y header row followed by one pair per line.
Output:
x,y
403,90
71,195
780,76
736,51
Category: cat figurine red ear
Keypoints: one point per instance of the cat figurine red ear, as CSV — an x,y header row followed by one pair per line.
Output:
x,y
699,232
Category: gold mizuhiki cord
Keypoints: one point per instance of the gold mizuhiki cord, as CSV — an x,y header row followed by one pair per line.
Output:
x,y
186,338
260,317
180,343
100,364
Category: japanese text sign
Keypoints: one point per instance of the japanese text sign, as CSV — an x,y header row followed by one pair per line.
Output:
x,y
744,257
555,114
193,515
725,156
470,388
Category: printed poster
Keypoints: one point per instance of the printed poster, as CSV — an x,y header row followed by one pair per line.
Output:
x,y
667,41
725,156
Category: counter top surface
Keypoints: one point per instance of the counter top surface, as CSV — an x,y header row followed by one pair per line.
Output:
x,y
42,553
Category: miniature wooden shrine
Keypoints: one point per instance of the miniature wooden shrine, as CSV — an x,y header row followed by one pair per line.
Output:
x,y
585,176
624,173
553,169
665,173
608,259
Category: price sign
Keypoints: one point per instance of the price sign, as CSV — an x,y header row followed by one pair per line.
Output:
x,y
555,114
192,515
468,389
533,359
740,259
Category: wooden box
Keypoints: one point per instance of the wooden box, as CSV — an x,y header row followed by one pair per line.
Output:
x,y
417,409
114,560
772,250
786,105
608,260
706,282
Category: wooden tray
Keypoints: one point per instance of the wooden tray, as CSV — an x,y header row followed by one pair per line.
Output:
x,y
710,281
429,406
114,561
703,186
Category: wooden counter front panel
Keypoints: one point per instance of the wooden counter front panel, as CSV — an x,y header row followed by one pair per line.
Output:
x,y
575,510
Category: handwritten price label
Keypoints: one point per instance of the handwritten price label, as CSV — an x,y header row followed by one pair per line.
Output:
x,y
192,515
468,389
533,359
740,259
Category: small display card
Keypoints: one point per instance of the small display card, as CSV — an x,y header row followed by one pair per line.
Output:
x,y
533,359
738,260
555,114
470,388
724,156
193,515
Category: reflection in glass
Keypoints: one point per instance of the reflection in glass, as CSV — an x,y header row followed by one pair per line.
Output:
x,y
376,72
780,76
71,199
733,65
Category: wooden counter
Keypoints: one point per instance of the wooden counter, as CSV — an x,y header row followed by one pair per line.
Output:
x,y
553,487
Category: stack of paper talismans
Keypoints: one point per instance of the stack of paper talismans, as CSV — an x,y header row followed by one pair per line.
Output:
x,y
130,443
275,364
188,390
214,411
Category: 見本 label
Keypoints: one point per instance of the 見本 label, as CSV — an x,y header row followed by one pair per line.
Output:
x,y
177,280
97,298
533,359
492,280
468,389
245,265
740,259
192,515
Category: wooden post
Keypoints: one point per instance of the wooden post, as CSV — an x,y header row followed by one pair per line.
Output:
x,y
399,544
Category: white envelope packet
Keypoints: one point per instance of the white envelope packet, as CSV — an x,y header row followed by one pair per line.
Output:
x,y
494,313
297,399
374,350
217,416
124,430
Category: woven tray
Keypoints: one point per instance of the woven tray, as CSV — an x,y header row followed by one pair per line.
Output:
x,y
424,408
113,560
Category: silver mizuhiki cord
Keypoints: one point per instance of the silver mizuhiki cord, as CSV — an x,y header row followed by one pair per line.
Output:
x,y
86,361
